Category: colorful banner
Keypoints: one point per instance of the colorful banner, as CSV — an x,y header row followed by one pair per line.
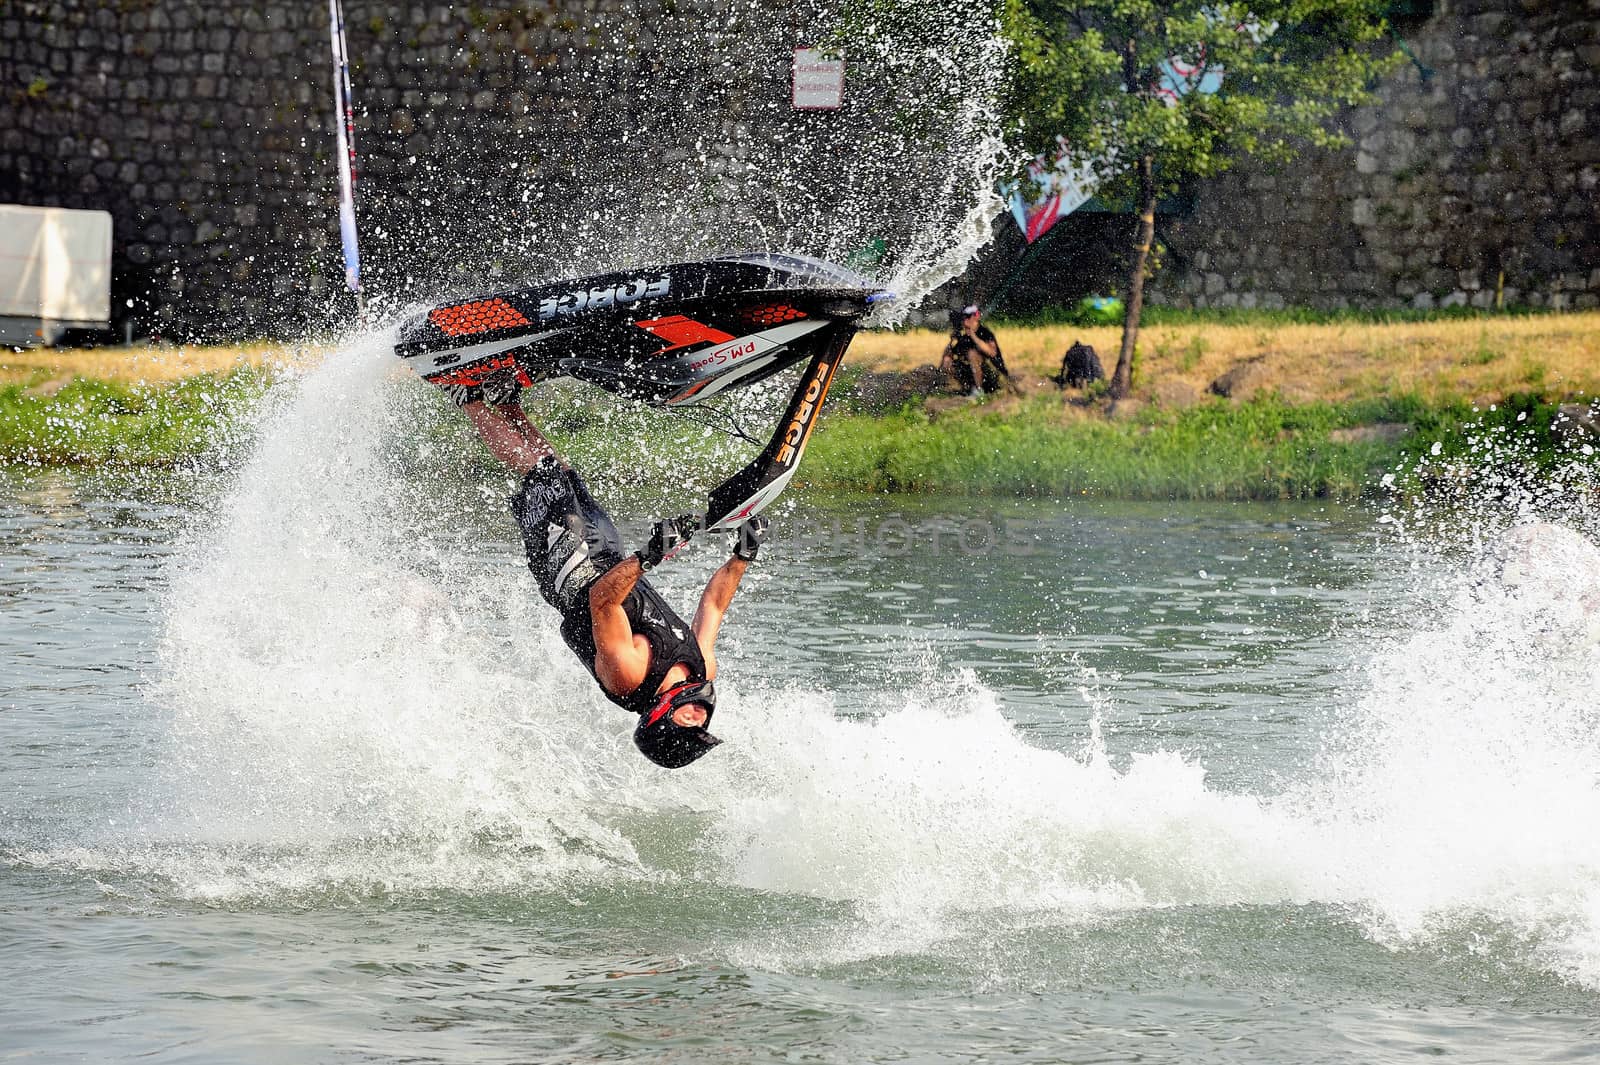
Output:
x,y
1179,79
345,125
1064,185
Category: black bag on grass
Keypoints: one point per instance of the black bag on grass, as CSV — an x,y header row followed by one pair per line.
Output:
x,y
1079,366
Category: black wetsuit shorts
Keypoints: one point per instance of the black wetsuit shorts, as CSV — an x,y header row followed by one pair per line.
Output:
x,y
570,538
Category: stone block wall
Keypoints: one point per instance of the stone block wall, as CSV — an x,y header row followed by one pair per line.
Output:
x,y
1473,180
494,140
199,126
560,135
205,127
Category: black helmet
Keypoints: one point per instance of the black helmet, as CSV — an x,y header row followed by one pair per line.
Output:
x,y
667,743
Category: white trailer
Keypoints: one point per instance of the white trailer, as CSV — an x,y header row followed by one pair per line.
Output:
x,y
55,272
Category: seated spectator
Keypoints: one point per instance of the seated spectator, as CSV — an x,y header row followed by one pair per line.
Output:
x,y
973,356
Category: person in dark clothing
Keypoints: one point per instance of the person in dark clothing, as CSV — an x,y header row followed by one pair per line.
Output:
x,y
973,354
645,657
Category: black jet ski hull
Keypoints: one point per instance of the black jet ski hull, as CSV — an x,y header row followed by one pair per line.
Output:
x,y
666,336
761,481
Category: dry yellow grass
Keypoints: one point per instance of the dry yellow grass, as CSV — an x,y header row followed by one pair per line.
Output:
x,y
1480,359
153,365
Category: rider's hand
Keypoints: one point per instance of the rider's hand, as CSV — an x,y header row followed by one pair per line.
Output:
x,y
747,543
666,537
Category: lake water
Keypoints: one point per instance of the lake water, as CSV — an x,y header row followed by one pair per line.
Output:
x,y
293,767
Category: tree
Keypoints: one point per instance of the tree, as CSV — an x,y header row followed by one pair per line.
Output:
x,y
1115,81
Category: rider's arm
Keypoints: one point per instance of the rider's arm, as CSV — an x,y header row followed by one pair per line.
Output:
x,y
518,418
619,663
511,438
713,605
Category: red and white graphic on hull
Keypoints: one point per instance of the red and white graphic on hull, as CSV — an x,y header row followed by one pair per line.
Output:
x,y
743,356
431,363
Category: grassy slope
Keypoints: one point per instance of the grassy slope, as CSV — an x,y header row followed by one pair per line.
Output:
x,y
131,406
1262,449
93,421
1475,359
1293,439
44,370
1299,436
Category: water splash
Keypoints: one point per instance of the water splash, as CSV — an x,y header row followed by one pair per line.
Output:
x,y
1453,803
366,694
1464,782
1461,787
350,660
700,152
363,689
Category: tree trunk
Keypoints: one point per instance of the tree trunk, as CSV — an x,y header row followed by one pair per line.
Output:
x,y
1122,378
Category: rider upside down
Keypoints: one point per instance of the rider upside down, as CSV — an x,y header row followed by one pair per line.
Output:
x,y
642,654
668,335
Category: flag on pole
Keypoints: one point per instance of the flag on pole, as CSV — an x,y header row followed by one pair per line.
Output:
x,y
345,125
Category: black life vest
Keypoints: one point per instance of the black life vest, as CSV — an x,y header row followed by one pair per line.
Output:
x,y
571,543
671,640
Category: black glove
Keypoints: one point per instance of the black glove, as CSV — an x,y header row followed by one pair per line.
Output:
x,y
747,544
667,536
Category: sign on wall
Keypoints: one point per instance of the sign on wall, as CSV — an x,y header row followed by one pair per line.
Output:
x,y
818,81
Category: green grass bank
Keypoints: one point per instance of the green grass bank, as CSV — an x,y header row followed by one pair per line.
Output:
x,y
1264,448
1035,445
98,422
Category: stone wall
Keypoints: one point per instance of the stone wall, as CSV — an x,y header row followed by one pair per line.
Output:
x,y
494,140
1474,179
509,138
487,135
199,126
206,129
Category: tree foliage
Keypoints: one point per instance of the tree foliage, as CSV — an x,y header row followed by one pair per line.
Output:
x,y
1097,76
1090,72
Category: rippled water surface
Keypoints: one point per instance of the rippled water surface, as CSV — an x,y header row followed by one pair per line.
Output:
x,y
293,768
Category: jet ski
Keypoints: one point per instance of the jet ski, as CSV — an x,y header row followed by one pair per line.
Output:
x,y
667,336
